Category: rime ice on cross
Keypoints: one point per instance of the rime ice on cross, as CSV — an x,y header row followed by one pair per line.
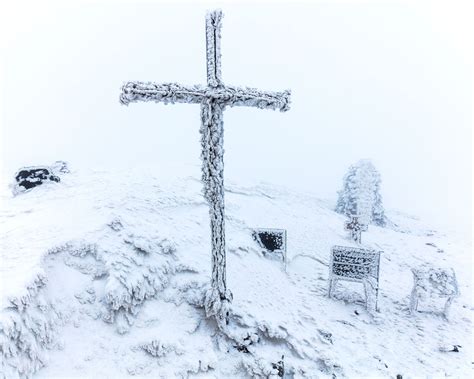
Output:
x,y
355,228
213,99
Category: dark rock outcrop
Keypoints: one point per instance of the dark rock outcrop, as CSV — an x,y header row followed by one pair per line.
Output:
x,y
30,177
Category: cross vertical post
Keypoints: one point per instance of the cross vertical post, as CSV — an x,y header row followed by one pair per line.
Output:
x,y
218,297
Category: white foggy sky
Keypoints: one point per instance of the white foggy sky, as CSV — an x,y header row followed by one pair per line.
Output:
x,y
388,81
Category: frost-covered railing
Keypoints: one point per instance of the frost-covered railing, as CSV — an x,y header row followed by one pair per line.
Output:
x,y
433,281
356,265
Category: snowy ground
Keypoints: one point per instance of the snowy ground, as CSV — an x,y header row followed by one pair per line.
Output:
x,y
102,277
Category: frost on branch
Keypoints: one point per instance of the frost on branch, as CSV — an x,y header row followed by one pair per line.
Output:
x,y
360,194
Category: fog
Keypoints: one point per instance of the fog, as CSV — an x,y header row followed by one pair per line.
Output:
x,y
391,82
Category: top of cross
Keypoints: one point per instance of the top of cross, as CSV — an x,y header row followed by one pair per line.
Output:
x,y
215,90
213,47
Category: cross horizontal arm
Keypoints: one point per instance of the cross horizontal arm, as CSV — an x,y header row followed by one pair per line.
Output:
x,y
133,92
252,97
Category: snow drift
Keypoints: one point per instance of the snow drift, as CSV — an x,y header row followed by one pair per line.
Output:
x,y
102,275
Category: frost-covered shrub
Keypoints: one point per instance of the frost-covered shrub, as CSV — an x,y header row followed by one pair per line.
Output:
x,y
360,194
261,368
27,331
159,349
137,271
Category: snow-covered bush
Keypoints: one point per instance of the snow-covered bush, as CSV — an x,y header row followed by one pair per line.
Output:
x,y
360,194
27,330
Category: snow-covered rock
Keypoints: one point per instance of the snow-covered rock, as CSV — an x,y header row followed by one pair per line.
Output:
x,y
27,178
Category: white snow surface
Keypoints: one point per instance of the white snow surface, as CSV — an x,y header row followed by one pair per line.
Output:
x,y
102,276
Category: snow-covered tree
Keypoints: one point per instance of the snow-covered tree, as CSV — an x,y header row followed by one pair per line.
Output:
x,y
360,194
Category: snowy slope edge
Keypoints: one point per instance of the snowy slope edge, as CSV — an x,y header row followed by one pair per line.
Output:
x,y
120,262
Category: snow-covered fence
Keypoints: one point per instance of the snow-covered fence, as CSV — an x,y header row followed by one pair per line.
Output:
x,y
271,241
356,265
429,281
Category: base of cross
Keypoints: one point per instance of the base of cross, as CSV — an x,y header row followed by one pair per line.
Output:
x,y
217,305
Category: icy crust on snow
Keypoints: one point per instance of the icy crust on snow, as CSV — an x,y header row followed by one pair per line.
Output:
x,y
103,275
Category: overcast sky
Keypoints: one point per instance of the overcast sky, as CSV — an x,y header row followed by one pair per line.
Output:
x,y
387,81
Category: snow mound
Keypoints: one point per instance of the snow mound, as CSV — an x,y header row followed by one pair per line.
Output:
x,y
104,274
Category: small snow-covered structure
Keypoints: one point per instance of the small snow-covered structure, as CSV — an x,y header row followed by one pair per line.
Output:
x,y
360,194
60,167
355,228
431,281
271,241
356,265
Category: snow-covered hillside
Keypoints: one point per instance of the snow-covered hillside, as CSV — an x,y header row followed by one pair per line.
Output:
x,y
102,277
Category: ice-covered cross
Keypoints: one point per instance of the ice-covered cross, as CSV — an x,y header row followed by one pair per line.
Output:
x,y
355,228
213,99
